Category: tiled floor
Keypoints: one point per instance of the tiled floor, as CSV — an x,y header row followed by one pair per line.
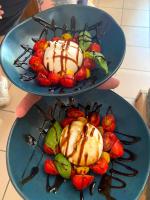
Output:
x,y
133,16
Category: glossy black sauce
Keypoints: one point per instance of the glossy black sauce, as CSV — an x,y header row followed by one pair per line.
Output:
x,y
30,140
92,187
54,188
81,195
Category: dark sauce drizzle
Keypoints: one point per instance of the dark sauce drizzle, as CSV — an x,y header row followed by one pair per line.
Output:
x,y
105,185
22,60
54,188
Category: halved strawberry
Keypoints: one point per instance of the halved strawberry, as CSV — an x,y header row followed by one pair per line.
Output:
x,y
89,63
54,78
67,121
94,118
117,150
109,122
82,181
40,44
67,81
36,63
75,113
95,47
43,79
109,139
100,167
50,151
40,53
81,74
50,168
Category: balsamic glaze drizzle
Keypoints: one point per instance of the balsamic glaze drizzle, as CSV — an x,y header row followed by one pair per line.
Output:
x,y
54,188
22,60
105,185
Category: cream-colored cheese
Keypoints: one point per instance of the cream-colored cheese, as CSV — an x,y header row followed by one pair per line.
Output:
x,y
81,143
63,56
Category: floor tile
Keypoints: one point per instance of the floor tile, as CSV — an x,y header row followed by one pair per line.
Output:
x,y
135,18
109,3
136,4
137,36
16,96
3,174
137,58
131,82
6,121
115,13
11,193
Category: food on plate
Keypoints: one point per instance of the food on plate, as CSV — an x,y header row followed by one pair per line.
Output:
x,y
81,143
66,60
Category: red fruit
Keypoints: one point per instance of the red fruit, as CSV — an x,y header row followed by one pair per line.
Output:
x,y
94,119
117,150
75,113
89,63
41,44
100,167
49,167
109,139
36,63
43,79
40,53
56,38
67,121
50,151
67,81
54,78
95,47
81,74
82,181
109,122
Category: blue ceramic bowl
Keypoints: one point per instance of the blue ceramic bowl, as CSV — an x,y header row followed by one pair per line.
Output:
x,y
109,34
22,157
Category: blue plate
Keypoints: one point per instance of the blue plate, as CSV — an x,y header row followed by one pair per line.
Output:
x,y
109,34
22,157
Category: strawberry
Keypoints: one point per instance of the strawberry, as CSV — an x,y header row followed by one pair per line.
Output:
x,y
82,181
94,118
95,47
50,151
109,122
40,53
75,113
56,39
109,139
89,63
81,74
67,121
50,168
36,63
117,150
40,44
54,78
67,81
100,167
43,79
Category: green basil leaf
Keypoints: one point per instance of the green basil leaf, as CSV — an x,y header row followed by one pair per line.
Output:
x,y
63,166
85,40
103,64
53,136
